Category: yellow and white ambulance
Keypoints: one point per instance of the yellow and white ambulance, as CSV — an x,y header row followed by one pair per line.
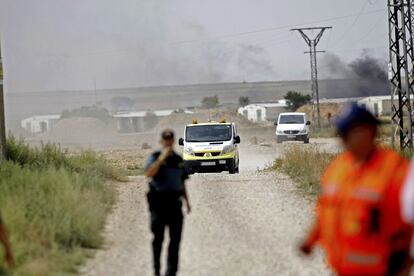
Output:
x,y
211,147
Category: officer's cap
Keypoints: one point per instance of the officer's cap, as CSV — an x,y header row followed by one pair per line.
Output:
x,y
352,115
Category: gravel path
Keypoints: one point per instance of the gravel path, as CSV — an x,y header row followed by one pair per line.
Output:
x,y
248,224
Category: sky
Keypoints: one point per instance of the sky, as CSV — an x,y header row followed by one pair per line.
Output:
x,y
53,45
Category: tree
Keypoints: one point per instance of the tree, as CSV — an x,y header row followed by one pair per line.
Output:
x,y
295,100
210,102
243,101
94,111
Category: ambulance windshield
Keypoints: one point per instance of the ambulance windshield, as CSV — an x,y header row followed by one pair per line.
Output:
x,y
208,133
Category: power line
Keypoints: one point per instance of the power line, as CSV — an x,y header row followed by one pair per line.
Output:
x,y
368,33
278,28
109,52
355,49
352,24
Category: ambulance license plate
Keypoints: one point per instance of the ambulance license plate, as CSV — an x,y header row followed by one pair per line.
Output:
x,y
291,136
208,164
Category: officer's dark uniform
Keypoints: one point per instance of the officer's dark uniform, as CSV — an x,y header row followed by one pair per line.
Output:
x,y
165,205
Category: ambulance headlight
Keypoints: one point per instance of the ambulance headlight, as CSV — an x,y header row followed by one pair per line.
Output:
x,y
303,131
188,150
227,149
279,132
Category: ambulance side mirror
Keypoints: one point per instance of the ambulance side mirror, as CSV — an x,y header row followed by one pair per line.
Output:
x,y
308,123
181,142
237,140
275,123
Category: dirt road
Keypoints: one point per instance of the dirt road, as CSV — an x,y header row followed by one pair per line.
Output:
x,y
247,224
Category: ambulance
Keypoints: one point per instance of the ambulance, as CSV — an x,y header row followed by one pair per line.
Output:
x,y
210,147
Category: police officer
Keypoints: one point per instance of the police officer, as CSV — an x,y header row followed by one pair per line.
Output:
x,y
358,220
166,170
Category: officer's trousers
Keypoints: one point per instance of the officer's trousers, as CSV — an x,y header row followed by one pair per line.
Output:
x,y
166,216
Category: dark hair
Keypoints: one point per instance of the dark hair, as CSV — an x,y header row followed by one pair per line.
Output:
x,y
167,134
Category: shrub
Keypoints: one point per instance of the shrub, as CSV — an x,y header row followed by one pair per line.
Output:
x,y
54,205
36,158
243,101
210,102
95,111
51,155
296,100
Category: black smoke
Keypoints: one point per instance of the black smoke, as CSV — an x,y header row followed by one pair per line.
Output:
x,y
364,76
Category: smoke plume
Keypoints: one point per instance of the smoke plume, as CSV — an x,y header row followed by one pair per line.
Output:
x,y
127,44
365,76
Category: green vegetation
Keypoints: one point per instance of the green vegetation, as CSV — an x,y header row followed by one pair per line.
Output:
x,y
54,205
210,102
95,111
304,165
243,101
295,100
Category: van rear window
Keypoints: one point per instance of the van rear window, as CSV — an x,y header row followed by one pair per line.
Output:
x,y
292,119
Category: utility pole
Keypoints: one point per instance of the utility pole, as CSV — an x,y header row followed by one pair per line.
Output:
x,y
401,70
2,116
312,43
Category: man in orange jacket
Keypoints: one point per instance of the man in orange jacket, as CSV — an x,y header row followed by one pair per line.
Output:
x,y
358,220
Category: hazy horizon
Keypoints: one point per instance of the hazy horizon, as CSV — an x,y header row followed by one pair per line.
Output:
x,y
61,45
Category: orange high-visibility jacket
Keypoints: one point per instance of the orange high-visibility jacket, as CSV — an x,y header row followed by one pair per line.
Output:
x,y
358,213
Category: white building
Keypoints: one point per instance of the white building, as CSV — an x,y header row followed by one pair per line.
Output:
x,y
378,105
138,121
263,111
40,123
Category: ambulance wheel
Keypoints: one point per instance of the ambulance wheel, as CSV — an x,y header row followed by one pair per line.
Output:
x,y
306,141
233,170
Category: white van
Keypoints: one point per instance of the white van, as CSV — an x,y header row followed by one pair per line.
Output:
x,y
292,126
211,147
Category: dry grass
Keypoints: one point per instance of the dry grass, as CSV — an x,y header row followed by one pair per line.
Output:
x,y
305,166
54,206
323,132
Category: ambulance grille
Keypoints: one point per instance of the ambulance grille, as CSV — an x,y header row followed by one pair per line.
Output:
x,y
201,154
